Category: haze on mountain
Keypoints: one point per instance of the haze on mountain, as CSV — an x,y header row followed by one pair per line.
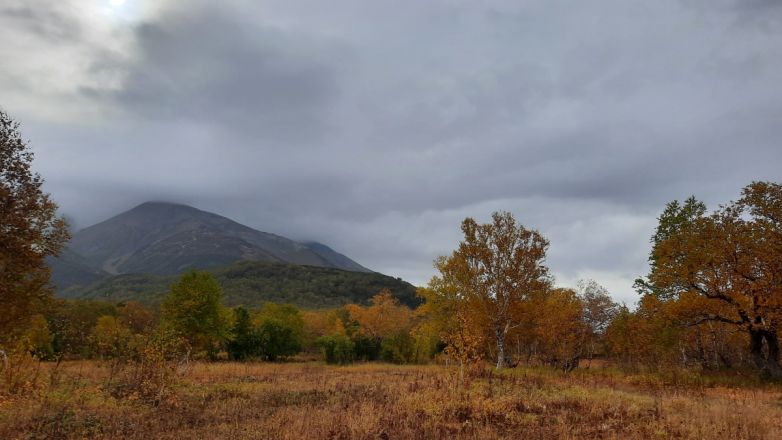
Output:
x,y
162,238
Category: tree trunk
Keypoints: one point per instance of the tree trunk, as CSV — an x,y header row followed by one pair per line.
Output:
x,y
767,362
499,333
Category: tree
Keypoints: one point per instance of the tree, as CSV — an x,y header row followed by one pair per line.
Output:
x,y
38,339
111,338
30,231
731,260
496,269
246,341
383,318
561,328
193,310
135,316
599,310
280,330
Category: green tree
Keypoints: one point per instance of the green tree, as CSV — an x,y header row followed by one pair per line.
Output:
x,y
337,349
30,231
281,330
246,340
193,310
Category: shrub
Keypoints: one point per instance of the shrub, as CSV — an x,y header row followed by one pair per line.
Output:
x,y
399,348
366,348
278,340
337,349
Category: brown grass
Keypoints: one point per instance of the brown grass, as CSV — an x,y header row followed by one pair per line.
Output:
x,y
376,401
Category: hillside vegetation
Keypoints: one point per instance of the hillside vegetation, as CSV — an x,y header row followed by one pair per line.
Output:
x,y
251,284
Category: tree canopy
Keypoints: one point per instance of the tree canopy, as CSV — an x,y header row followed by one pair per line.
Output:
x,y
30,231
725,267
194,310
497,268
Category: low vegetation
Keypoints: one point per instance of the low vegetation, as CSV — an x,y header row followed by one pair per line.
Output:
x,y
306,400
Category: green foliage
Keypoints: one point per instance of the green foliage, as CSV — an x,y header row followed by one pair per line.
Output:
x,y
366,348
337,349
281,330
246,340
194,311
278,340
675,217
251,284
399,348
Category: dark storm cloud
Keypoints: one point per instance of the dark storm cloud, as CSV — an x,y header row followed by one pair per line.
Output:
x,y
377,126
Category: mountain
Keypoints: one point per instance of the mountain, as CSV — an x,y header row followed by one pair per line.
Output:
x,y
159,238
251,283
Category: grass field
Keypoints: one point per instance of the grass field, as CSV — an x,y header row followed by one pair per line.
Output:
x,y
378,401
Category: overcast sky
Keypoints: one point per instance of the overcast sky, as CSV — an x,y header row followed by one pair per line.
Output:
x,y
376,126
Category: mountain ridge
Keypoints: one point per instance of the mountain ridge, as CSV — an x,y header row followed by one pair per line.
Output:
x,y
164,238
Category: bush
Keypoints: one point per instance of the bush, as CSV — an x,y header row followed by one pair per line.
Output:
x,y
399,348
278,340
366,348
151,374
337,349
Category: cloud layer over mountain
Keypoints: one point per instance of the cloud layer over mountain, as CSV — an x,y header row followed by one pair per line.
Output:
x,y
377,126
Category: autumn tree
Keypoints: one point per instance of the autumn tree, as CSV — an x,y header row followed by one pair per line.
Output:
x,y
561,328
111,338
598,311
385,316
38,339
731,261
136,317
448,314
194,310
495,270
383,329
30,231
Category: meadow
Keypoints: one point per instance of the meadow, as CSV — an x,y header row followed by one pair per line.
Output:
x,y
295,400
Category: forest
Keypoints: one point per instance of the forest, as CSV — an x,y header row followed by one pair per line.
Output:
x,y
491,333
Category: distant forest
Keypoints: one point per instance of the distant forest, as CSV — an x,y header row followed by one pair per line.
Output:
x,y
251,284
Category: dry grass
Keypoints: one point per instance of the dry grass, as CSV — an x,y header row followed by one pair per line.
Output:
x,y
311,400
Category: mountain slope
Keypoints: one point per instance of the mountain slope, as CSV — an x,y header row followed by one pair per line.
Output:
x,y
165,238
251,284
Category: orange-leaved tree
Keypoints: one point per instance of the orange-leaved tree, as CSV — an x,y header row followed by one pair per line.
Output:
x,y
732,259
30,231
496,269
383,318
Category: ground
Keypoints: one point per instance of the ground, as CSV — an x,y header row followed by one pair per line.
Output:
x,y
379,401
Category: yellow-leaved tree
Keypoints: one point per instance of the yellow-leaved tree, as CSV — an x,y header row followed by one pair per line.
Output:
x,y
485,283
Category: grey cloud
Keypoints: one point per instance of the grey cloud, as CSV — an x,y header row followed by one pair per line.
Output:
x,y
224,70
376,127
44,20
